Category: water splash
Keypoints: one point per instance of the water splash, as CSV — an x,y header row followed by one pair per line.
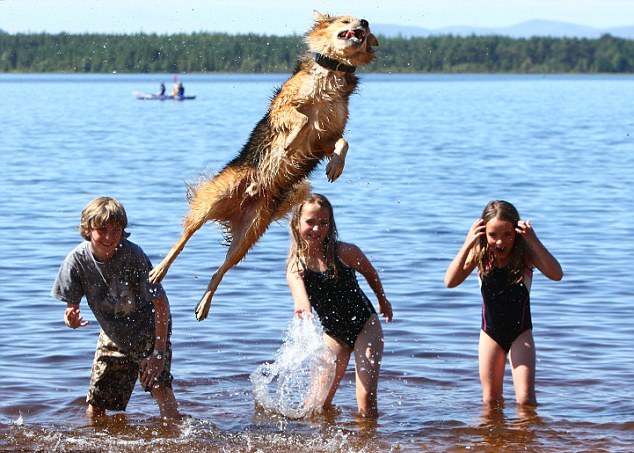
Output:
x,y
296,384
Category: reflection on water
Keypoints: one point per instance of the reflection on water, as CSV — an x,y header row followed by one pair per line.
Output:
x,y
498,432
426,154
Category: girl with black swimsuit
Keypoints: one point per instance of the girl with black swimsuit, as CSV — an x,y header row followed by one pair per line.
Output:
x,y
505,250
321,275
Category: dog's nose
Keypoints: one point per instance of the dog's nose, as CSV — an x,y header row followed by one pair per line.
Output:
x,y
364,23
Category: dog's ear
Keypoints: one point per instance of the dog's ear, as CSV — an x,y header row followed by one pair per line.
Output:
x,y
371,42
318,17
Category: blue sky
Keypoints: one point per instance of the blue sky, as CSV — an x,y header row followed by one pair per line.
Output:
x,y
287,17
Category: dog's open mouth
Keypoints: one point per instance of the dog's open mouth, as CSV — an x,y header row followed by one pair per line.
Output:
x,y
355,35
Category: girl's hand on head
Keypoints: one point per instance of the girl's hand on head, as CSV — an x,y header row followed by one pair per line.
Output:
x,y
73,319
476,231
385,308
538,255
525,229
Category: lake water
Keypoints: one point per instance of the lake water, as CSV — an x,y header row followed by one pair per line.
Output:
x,y
427,152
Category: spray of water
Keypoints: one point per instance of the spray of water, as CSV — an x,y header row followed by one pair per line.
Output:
x,y
296,384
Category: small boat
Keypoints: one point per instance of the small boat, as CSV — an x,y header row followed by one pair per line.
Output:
x,y
160,97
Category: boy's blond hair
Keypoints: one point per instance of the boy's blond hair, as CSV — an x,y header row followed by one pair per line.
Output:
x,y
101,212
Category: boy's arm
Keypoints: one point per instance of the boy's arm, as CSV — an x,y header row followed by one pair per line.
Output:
x,y
152,365
157,296
161,322
353,257
72,317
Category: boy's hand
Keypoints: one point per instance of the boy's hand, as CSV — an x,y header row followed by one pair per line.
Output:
x,y
73,319
151,368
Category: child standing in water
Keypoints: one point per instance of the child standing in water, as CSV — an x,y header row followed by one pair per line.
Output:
x,y
134,315
505,250
321,275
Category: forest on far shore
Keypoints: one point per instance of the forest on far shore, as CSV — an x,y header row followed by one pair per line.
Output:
x,y
250,53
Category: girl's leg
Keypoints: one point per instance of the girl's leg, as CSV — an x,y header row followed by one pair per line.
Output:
x,y
522,357
342,351
368,352
492,360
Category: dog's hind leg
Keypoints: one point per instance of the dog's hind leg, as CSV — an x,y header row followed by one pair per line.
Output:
x,y
210,200
244,236
159,271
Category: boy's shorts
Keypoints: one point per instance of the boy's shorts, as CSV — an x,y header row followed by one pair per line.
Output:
x,y
115,371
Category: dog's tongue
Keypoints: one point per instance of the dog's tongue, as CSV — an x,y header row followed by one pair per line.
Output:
x,y
350,34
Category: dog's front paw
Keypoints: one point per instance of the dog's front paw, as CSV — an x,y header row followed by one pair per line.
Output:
x,y
156,275
335,167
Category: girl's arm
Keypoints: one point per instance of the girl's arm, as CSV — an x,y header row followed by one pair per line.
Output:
x,y
464,263
298,290
353,257
538,254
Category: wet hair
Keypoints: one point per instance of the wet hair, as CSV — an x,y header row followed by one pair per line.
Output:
x,y
502,210
298,245
100,212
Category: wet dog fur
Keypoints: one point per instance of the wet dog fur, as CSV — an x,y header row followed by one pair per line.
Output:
x,y
304,124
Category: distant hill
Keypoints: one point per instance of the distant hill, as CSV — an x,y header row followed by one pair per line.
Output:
x,y
542,28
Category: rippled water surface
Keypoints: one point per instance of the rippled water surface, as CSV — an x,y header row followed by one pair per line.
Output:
x,y
426,154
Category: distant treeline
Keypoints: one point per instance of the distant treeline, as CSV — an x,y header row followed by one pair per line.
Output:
x,y
250,53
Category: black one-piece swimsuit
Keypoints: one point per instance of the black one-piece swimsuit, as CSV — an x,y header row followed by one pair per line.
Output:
x,y
342,306
506,309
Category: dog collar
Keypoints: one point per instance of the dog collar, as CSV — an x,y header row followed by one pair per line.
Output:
x,y
334,65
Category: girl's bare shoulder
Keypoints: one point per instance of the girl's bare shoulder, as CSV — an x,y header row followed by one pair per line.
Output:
x,y
347,249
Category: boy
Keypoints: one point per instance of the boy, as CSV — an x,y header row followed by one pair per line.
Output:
x,y
134,315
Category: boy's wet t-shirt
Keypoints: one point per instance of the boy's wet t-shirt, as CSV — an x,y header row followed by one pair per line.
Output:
x,y
118,297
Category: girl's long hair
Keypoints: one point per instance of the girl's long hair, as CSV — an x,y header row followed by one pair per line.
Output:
x,y
503,210
298,247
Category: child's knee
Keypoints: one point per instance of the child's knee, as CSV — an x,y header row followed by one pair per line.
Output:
x,y
492,395
526,398
492,400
